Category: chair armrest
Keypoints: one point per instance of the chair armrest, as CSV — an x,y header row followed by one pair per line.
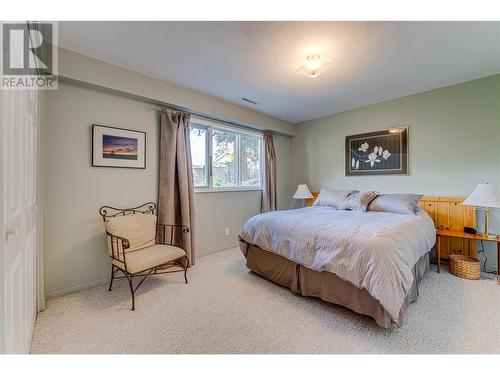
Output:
x,y
170,234
118,247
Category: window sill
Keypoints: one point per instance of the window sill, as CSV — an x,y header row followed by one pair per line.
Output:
x,y
223,190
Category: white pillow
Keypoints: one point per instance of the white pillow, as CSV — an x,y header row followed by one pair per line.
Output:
x,y
332,197
396,203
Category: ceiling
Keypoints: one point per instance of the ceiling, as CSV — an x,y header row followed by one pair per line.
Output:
x,y
370,61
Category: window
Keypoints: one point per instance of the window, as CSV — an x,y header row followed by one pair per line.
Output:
x,y
198,137
224,158
250,160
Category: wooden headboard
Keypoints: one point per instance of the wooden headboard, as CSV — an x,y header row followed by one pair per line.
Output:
x,y
447,213
310,201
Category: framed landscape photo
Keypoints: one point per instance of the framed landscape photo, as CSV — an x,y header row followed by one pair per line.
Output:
x,y
382,152
118,148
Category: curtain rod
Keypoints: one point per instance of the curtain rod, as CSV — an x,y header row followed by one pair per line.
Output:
x,y
170,106
158,108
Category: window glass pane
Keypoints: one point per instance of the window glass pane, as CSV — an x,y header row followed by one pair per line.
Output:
x,y
250,161
198,138
224,159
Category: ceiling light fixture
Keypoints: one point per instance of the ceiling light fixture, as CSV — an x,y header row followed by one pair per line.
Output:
x,y
313,67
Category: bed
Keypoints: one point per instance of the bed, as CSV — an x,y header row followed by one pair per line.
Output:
x,y
369,262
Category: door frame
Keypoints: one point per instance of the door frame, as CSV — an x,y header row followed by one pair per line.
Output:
x,y
2,250
33,246
40,260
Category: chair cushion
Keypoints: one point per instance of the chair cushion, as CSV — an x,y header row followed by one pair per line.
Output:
x,y
150,257
138,229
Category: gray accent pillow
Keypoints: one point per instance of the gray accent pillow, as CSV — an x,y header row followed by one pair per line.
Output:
x,y
395,203
332,197
358,201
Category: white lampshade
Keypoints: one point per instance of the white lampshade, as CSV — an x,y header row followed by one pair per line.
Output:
x,y
483,196
302,192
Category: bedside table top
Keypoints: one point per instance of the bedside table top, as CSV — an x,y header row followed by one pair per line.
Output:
x,y
460,234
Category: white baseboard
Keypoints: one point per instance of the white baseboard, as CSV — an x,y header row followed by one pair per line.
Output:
x,y
213,251
76,288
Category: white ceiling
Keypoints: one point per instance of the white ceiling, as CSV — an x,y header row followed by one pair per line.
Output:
x,y
371,61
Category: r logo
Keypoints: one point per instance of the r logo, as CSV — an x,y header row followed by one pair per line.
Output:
x,y
27,51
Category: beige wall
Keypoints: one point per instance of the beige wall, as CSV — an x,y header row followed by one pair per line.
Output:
x,y
75,255
454,138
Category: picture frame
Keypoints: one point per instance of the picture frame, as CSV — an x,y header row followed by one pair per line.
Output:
x,y
383,152
115,147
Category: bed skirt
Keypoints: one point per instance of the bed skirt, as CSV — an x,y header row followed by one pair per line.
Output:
x,y
326,285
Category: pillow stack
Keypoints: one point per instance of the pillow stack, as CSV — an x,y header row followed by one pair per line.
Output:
x,y
355,200
332,198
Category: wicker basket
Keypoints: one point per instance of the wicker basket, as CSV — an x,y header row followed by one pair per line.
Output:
x,y
465,267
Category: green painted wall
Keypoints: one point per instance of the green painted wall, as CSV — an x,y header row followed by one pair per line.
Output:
x,y
454,143
74,242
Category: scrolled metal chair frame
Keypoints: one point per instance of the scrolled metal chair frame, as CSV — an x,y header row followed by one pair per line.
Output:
x,y
120,244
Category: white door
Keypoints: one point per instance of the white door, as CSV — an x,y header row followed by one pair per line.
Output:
x,y
19,142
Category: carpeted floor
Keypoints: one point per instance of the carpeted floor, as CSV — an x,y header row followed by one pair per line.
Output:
x,y
227,309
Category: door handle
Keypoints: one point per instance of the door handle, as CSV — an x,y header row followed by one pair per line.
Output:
x,y
11,233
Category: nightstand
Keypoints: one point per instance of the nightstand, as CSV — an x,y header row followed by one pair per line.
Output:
x,y
457,234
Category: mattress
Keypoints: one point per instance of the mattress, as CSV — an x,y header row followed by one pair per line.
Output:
x,y
372,251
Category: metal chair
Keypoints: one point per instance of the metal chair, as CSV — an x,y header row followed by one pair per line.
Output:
x,y
164,255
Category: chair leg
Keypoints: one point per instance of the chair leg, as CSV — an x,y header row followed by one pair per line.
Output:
x,y
186,270
113,273
131,291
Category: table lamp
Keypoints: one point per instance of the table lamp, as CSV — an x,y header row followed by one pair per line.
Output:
x,y
483,196
302,193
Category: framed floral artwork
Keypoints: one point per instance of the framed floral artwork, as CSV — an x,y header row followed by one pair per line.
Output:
x,y
382,152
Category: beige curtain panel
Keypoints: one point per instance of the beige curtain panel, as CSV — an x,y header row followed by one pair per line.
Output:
x,y
175,190
269,196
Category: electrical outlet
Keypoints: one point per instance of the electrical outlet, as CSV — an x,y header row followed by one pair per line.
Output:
x,y
227,231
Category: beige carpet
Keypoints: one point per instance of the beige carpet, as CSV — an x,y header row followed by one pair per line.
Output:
x,y
227,309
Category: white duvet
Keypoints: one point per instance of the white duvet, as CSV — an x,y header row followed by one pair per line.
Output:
x,y
372,250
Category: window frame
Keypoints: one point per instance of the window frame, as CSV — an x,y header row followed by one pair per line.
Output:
x,y
210,127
